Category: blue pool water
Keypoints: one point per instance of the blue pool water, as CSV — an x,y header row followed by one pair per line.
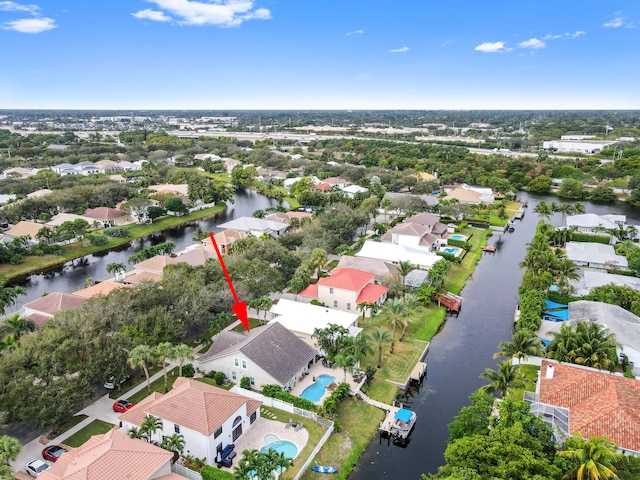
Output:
x,y
314,392
273,442
450,250
457,236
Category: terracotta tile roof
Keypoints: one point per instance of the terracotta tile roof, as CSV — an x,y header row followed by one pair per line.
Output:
x,y
102,288
195,405
335,181
325,187
424,218
136,415
599,403
371,293
347,279
103,213
226,237
273,348
310,291
299,215
54,302
38,319
25,229
140,277
195,258
412,229
154,264
380,268
107,457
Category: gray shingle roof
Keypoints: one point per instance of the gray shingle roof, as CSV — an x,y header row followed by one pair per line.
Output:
x,y
274,348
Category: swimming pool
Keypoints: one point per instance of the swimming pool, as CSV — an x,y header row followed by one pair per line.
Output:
x,y
314,392
456,251
457,236
273,442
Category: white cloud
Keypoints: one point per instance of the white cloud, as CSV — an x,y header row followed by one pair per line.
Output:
x,y
355,32
153,15
616,22
16,7
226,13
576,34
447,43
490,47
31,25
399,50
532,43
552,37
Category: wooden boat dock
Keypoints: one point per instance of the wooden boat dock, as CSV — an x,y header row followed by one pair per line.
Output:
x,y
451,301
489,248
519,215
418,371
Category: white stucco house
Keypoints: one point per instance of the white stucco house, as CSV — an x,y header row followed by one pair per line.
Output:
x,y
268,355
208,418
256,226
395,254
596,255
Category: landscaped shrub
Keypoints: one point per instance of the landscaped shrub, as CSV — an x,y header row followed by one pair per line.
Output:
x,y
332,401
274,391
116,232
452,258
245,383
211,374
219,377
585,237
316,303
16,259
211,473
98,240
188,370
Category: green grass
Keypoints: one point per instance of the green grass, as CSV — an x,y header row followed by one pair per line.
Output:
x,y
530,373
133,382
70,423
96,427
253,323
212,382
156,386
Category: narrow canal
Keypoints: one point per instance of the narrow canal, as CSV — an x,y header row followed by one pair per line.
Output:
x,y
73,275
461,351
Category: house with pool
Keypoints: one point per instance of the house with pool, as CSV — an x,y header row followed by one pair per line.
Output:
x,y
345,289
268,355
208,418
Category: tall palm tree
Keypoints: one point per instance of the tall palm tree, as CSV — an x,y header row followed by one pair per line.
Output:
x,y
141,356
116,268
164,351
135,432
380,337
395,308
567,270
174,443
501,380
579,208
9,343
626,247
278,462
524,343
9,295
15,326
403,269
10,447
181,353
585,343
543,209
595,457
149,426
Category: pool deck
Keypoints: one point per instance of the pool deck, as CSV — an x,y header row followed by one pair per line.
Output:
x,y
317,370
254,437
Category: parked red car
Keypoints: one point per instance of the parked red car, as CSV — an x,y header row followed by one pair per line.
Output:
x,y
122,406
53,452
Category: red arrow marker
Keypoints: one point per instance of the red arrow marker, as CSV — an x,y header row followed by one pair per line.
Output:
x,y
239,308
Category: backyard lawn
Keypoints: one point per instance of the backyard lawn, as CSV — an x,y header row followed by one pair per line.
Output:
x,y
97,427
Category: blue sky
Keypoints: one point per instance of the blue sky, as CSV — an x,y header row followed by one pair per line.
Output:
x,y
330,54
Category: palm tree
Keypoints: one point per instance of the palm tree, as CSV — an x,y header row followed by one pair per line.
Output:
x,y
403,269
543,209
523,344
8,295
585,343
595,457
181,353
135,432
579,208
116,268
380,337
174,443
395,308
10,447
567,270
16,326
626,247
278,462
501,380
9,343
344,360
358,346
141,356
411,303
164,350
150,425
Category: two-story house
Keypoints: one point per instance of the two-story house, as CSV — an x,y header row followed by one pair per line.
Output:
x,y
346,288
207,417
268,355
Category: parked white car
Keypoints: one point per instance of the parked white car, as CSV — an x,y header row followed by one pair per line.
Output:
x,y
36,467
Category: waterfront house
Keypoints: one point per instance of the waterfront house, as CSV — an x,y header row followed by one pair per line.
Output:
x,y
594,403
390,252
303,319
108,217
101,288
345,289
268,355
256,226
25,229
209,418
224,239
591,278
468,194
110,456
596,255
381,269
44,308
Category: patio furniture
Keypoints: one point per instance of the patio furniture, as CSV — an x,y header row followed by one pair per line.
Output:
x,y
299,426
289,423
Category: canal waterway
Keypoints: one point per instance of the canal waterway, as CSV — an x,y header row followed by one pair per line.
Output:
x,y
461,351
73,275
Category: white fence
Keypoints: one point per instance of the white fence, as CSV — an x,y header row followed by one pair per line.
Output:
x,y
185,472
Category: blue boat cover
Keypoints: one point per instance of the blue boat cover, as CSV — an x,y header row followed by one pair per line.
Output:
x,y
549,305
563,314
403,415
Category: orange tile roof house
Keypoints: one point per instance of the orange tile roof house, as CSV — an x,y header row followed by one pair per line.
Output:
x,y
101,288
46,307
107,216
209,418
113,455
224,239
268,355
25,229
346,288
598,403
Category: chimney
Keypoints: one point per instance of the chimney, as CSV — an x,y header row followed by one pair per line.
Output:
x,y
549,373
